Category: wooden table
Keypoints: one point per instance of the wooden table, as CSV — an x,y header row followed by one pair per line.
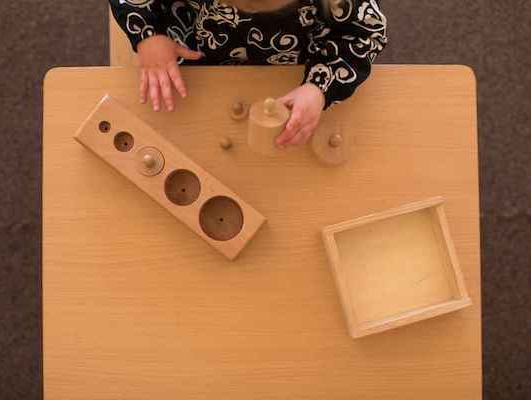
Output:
x,y
138,307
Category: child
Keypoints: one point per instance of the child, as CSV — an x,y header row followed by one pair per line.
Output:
x,y
337,42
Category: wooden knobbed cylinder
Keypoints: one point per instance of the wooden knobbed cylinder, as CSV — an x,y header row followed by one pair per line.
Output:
x,y
331,148
239,110
149,161
267,119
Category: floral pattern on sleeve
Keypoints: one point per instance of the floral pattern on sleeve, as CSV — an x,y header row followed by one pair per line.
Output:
x,y
342,49
139,19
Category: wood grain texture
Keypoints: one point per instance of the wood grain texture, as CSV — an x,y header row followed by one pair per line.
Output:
x,y
135,307
395,267
160,187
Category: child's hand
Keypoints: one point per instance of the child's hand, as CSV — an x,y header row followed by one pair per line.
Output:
x,y
160,71
306,103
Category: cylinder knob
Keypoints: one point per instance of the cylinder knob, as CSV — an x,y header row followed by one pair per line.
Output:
x,y
270,106
149,161
336,140
225,143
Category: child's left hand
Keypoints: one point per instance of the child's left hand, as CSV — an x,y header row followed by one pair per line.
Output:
x,y
306,103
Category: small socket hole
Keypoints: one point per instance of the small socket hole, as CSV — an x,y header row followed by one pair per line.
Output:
x,y
104,126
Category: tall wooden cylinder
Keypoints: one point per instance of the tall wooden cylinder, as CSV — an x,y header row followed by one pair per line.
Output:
x,y
267,119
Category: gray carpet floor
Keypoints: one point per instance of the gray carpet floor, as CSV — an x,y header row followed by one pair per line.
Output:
x,y
492,36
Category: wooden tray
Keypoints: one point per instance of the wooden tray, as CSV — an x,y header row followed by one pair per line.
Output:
x,y
395,267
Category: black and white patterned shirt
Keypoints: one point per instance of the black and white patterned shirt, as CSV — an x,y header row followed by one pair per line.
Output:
x,y
337,49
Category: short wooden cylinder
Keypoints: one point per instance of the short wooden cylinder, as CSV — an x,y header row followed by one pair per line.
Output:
x,y
149,161
331,148
239,110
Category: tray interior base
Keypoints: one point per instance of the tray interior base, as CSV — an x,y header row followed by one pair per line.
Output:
x,y
396,265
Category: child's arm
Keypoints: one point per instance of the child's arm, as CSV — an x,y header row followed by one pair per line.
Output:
x,y
342,49
139,19
146,24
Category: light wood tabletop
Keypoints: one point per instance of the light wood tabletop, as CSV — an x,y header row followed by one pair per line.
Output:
x,y
136,306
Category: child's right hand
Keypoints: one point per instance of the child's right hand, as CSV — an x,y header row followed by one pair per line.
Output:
x,y
160,71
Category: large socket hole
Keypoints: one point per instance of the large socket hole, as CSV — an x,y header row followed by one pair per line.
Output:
x,y
221,218
124,141
182,187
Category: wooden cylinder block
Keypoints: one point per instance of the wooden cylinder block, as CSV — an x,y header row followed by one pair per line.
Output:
x,y
239,110
149,161
267,119
331,147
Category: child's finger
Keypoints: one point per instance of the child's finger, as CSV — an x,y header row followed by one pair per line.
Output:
x,y
285,137
308,134
309,130
175,76
143,86
166,89
301,137
287,100
295,139
154,90
188,54
292,128
295,121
